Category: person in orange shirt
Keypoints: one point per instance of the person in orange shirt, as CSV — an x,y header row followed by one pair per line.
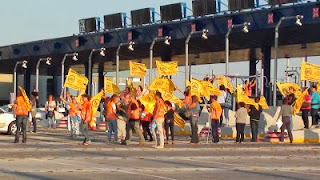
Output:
x,y
146,118
86,117
134,121
112,117
20,111
158,114
248,87
215,111
74,113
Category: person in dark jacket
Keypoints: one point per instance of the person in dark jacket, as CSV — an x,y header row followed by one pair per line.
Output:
x,y
169,121
254,114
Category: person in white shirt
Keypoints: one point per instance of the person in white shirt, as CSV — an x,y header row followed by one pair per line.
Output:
x,y
222,100
49,108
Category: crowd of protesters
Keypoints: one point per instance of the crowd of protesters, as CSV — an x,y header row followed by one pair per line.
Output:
x,y
125,114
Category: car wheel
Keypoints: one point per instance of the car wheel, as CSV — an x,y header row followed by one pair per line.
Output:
x,y
12,128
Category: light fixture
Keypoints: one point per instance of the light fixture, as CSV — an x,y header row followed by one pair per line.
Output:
x,y
75,56
167,40
298,22
48,61
24,64
246,27
102,52
130,46
205,33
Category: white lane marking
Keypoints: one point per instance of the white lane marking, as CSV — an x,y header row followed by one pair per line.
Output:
x,y
113,167
250,168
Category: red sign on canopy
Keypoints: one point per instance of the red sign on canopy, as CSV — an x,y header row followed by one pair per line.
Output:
x,y
270,18
315,13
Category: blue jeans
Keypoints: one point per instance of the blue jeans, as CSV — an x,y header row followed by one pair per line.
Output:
x,y
226,115
113,127
52,122
75,125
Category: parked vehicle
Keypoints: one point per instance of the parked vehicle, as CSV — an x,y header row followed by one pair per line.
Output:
x,y
7,122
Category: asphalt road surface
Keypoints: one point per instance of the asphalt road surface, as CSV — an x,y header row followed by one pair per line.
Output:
x,y
53,154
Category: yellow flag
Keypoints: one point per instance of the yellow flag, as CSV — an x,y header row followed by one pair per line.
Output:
x,y
210,88
95,102
79,98
298,103
76,81
176,101
284,89
148,101
26,98
179,121
137,69
310,72
167,68
263,103
243,97
130,86
196,88
110,87
164,84
222,80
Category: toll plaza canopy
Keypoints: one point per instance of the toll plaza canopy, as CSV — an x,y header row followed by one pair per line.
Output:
x,y
243,46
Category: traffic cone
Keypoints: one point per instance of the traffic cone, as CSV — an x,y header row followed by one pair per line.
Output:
x,y
63,123
102,126
205,131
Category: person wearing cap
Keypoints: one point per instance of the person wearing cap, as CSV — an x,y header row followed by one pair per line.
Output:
x,y
20,111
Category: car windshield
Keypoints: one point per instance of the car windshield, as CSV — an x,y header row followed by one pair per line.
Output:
x,y
6,108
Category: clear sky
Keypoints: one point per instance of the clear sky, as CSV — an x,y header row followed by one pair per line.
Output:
x,y
30,20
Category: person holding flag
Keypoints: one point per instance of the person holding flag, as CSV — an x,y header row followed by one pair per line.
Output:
x,y
86,117
134,119
248,87
20,111
74,113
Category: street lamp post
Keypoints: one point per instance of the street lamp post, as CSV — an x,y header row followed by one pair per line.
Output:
x,y
131,48
245,29
24,65
166,40
48,62
204,33
102,53
276,39
74,57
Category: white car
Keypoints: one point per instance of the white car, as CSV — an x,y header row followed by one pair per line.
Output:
x,y
7,121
